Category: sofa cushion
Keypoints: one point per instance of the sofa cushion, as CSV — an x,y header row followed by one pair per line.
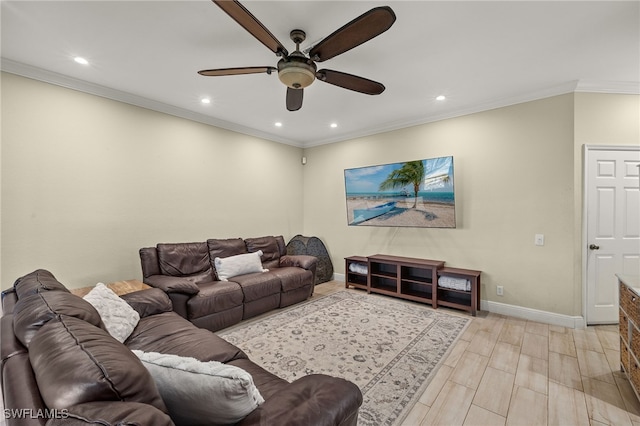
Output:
x,y
224,248
169,333
183,259
75,362
201,393
292,278
258,286
267,383
34,311
215,296
269,247
37,281
118,316
240,264
312,399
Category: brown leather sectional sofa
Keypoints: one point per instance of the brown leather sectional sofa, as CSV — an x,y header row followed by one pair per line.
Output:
x,y
60,367
187,273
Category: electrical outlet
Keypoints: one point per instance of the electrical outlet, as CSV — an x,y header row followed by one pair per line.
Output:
x,y
500,290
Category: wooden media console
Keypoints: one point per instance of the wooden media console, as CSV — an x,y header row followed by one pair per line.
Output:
x,y
413,279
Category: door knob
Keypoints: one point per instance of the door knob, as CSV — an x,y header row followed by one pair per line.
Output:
x,y
594,247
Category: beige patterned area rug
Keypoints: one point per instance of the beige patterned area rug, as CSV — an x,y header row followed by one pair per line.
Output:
x,y
388,347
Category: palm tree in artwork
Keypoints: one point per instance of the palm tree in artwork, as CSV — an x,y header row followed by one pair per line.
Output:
x,y
411,173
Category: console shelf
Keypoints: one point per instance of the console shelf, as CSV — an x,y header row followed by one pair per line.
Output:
x,y
461,299
413,279
356,272
404,277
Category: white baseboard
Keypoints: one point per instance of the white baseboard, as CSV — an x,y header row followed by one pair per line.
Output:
x,y
532,314
520,312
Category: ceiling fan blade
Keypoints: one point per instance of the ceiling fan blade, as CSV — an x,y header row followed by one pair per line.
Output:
x,y
351,82
249,22
294,98
237,71
365,27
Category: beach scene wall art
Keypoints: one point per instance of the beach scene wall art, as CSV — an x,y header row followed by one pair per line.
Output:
x,y
411,194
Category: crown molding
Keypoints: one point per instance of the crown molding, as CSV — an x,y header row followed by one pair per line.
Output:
x,y
614,87
485,106
582,86
40,74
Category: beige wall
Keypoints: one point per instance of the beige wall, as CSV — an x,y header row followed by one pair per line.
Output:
x,y
518,172
87,181
513,179
607,119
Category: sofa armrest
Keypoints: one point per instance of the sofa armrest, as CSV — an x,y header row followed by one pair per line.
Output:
x,y
20,389
316,399
149,261
148,302
170,284
112,413
300,260
9,299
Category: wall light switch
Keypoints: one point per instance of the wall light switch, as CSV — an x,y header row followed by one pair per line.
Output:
x,y
539,239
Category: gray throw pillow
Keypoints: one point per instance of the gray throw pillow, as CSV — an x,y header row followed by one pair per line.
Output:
x,y
117,315
201,393
232,266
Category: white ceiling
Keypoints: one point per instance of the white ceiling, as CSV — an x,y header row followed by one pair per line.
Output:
x,y
479,54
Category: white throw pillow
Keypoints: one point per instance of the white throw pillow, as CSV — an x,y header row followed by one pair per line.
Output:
x,y
232,266
119,318
201,393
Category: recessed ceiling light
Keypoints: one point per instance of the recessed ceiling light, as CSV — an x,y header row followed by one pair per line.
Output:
x,y
81,60
278,124
205,101
333,125
441,98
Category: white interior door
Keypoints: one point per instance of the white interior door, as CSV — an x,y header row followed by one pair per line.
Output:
x,y
613,227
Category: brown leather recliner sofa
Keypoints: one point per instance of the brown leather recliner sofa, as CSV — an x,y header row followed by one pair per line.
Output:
x,y
187,273
60,367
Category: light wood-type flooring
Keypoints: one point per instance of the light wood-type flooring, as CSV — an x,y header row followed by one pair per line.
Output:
x,y
509,371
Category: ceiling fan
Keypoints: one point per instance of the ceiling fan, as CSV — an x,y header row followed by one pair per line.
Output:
x,y
297,70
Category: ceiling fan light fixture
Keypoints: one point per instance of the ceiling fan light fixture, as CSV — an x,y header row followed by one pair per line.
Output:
x,y
296,73
297,70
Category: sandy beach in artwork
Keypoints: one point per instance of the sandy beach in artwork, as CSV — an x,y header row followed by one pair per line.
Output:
x,y
426,214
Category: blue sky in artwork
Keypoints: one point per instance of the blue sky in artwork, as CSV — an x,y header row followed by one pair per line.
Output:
x,y
368,179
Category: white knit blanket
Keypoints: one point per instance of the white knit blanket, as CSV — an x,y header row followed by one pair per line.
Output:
x,y
454,283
